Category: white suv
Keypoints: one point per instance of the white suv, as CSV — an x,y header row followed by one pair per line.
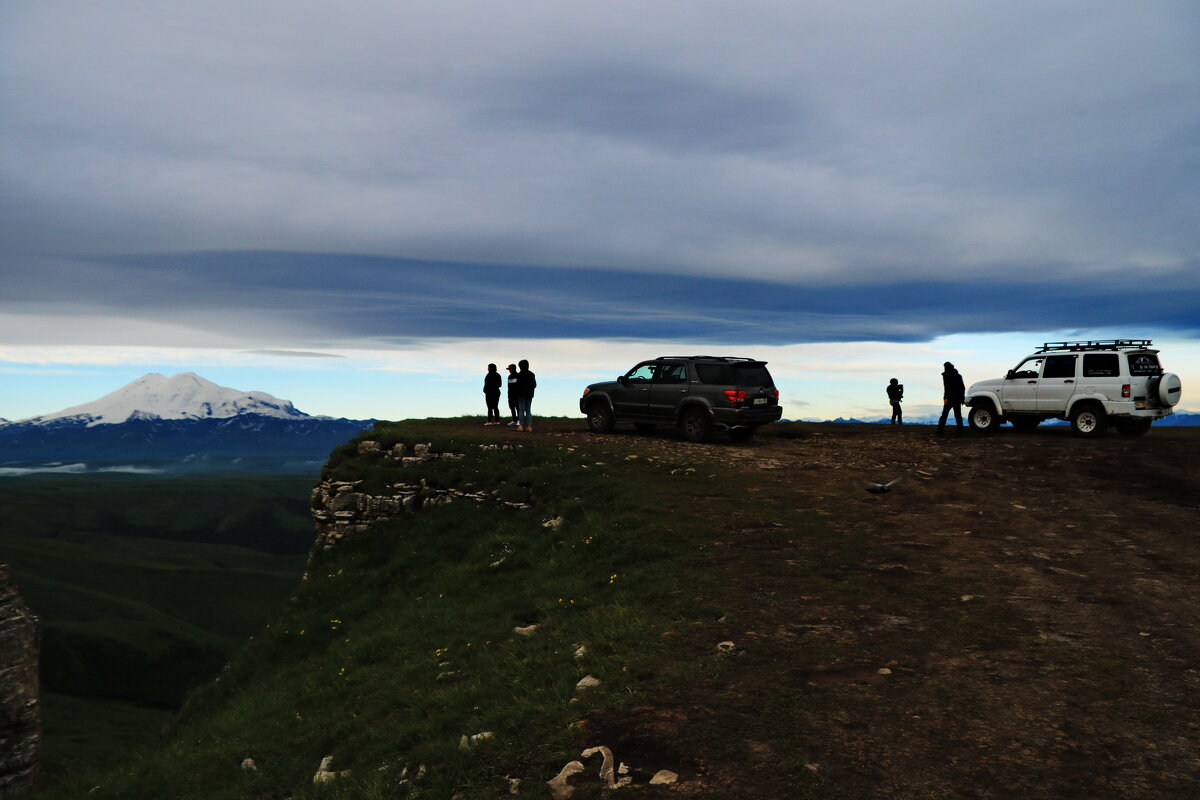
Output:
x,y
1089,383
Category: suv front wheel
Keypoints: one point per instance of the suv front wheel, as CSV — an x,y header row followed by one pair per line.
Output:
x,y
983,418
600,418
697,425
1088,420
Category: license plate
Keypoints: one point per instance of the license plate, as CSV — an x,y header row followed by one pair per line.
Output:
x,y
760,401
1140,404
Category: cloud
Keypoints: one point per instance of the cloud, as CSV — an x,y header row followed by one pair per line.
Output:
x,y
293,354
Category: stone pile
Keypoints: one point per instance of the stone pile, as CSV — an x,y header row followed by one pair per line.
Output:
x,y
20,721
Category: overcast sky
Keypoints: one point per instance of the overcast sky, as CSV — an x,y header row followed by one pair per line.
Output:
x,y
375,177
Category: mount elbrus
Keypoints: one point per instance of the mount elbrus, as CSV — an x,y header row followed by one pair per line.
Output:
x,y
181,417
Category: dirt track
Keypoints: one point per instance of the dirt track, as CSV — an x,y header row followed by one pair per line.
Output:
x,y
1082,552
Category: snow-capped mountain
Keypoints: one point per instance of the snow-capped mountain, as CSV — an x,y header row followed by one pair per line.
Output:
x,y
182,396
183,419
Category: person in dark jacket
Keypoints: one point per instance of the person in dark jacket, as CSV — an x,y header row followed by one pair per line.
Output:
x,y
491,394
526,383
952,398
512,393
895,393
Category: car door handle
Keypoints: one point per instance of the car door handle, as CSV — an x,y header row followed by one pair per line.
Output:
x,y
1031,381
1069,380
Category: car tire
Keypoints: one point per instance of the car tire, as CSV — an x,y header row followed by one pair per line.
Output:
x,y
1088,420
1025,423
1133,427
697,425
600,418
645,427
982,418
742,434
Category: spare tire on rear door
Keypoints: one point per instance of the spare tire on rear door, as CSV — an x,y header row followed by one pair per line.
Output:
x,y
1169,389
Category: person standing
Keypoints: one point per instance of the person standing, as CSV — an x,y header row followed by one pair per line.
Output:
x,y
895,393
512,394
952,398
491,394
526,383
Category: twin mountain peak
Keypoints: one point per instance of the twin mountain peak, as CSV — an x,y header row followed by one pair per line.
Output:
x,y
182,396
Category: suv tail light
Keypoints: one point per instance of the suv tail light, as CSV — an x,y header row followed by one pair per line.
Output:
x,y
1125,390
735,396
775,393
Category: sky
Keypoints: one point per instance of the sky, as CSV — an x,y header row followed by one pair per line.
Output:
x,y
357,206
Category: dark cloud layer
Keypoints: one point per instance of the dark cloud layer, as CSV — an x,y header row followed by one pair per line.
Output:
x,y
343,298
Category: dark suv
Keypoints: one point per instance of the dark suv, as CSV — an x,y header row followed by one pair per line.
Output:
x,y
698,393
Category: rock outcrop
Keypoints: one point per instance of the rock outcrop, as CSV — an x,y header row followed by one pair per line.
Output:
x,y
20,721
340,508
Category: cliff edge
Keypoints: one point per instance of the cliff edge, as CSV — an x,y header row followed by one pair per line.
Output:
x,y
20,722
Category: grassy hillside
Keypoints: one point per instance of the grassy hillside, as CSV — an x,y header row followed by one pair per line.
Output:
x,y
137,607
758,623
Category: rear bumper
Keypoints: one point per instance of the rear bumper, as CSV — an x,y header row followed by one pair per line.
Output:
x,y
746,417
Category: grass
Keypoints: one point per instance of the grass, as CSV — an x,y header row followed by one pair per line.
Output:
x,y
401,640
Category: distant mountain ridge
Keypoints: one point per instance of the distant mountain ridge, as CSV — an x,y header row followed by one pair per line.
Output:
x,y
184,418
182,396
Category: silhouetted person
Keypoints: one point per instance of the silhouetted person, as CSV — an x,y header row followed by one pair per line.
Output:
x,y
491,393
953,392
526,383
512,393
895,392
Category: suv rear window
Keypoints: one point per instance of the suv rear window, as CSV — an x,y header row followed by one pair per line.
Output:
x,y
734,374
1143,364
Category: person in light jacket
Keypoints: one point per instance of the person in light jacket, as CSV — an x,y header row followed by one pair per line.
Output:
x,y
526,383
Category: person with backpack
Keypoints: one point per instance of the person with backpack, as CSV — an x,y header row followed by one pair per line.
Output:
x,y
895,393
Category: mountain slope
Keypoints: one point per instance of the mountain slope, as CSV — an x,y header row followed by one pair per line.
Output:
x,y
182,396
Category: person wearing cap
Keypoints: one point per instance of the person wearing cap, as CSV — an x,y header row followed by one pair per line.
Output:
x,y
952,398
512,394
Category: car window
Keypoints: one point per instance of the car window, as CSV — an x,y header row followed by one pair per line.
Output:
x,y
1059,367
1029,368
715,373
1143,364
671,373
1101,365
752,375
642,373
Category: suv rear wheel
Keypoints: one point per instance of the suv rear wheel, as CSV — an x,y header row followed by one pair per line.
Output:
x,y
600,418
697,425
1088,420
983,418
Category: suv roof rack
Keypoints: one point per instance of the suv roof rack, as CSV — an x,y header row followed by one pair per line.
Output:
x,y
1097,344
712,358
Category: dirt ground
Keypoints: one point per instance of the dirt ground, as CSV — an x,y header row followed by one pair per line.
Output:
x,y
1073,561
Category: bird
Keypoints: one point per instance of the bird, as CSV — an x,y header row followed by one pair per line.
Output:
x,y
881,488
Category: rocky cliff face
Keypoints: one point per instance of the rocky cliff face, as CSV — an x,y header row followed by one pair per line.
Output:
x,y
20,722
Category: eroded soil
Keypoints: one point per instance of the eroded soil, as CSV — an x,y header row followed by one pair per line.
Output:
x,y
1017,617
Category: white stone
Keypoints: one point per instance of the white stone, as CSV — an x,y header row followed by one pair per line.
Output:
x,y
587,682
663,777
558,784
248,763
725,646
524,631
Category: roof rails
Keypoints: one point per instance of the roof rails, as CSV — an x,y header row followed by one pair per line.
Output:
x,y
714,358
1098,344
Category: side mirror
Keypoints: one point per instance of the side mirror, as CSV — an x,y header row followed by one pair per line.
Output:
x,y
1010,374
622,380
